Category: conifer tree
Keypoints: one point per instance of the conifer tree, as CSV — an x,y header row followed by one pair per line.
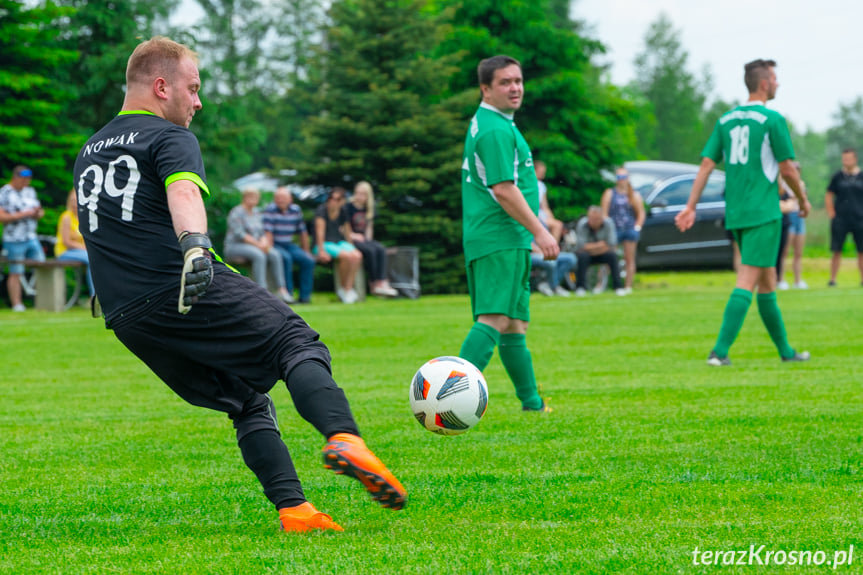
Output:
x,y
31,104
103,33
572,119
384,118
677,99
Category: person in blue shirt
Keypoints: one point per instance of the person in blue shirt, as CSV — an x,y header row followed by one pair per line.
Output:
x,y
283,223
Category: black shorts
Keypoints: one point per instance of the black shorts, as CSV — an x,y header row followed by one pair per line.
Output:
x,y
839,230
229,350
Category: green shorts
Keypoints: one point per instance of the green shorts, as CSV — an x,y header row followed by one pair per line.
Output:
x,y
759,245
499,283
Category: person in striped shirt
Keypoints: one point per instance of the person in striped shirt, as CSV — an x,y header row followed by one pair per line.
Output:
x,y
283,223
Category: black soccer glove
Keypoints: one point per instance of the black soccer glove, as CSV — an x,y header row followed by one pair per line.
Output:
x,y
197,269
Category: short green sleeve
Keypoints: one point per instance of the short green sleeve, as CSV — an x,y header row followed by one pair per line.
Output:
x,y
780,139
496,155
713,148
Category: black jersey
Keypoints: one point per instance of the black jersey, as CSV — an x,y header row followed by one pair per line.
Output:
x,y
849,195
121,178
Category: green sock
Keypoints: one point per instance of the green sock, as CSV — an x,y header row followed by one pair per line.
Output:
x,y
479,345
519,366
735,312
772,318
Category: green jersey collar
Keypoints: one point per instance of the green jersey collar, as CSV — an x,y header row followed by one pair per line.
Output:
x,y
493,109
127,112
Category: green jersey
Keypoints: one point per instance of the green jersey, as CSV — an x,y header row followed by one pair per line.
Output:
x,y
752,140
494,152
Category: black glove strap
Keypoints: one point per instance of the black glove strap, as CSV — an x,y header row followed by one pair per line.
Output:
x,y
189,240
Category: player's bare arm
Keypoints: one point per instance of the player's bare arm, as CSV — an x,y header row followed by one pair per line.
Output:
x,y
792,177
189,219
686,218
513,203
187,207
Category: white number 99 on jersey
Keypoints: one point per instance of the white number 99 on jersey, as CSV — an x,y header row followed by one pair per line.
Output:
x,y
94,181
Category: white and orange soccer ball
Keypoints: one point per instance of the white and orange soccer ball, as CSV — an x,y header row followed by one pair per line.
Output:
x,y
448,395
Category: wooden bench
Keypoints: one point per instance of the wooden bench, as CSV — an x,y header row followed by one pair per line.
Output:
x,y
50,278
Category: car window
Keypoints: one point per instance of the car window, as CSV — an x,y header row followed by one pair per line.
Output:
x,y
676,194
641,182
714,191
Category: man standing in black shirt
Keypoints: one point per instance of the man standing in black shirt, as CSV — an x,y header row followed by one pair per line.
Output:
x,y
216,338
844,203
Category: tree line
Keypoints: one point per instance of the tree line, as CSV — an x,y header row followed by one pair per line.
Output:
x,y
377,90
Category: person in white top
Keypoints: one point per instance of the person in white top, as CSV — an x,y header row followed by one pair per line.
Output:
x,y
20,210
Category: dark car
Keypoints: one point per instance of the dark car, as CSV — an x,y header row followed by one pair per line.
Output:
x,y
665,187
644,175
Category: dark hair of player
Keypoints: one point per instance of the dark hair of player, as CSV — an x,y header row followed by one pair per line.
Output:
x,y
755,71
486,69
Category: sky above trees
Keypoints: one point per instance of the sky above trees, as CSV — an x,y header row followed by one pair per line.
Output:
x,y
815,43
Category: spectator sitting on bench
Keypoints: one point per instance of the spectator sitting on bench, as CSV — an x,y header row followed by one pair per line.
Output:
x,y
361,211
246,241
554,271
597,241
332,243
19,211
70,242
283,222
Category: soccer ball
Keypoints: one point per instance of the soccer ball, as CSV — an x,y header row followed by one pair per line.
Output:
x,y
448,395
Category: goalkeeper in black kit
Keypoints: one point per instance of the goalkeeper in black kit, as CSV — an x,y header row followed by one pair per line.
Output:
x,y
215,337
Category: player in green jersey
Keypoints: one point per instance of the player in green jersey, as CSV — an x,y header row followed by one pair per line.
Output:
x,y
500,199
756,146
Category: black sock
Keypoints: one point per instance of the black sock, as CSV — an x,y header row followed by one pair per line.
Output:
x,y
319,400
267,456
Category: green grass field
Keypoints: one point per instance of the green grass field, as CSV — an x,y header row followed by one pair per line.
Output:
x,y
648,455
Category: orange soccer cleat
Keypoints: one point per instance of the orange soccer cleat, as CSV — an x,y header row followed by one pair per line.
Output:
x,y
347,454
305,518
